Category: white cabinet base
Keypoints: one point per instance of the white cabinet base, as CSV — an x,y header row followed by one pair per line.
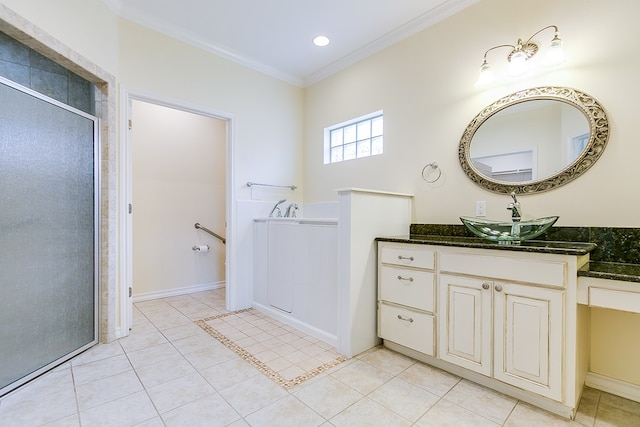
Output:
x,y
507,320
412,328
531,398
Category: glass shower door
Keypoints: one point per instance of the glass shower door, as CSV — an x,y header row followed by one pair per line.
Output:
x,y
48,233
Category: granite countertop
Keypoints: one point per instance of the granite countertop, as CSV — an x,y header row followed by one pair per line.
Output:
x,y
611,271
614,252
537,246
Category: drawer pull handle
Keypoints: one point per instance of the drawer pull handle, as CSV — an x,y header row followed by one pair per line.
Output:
x,y
485,285
498,288
400,257
410,320
405,278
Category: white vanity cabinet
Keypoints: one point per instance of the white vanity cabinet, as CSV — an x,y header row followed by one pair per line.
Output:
x,y
523,322
406,290
506,319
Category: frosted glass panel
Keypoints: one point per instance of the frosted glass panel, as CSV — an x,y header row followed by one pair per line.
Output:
x,y
47,234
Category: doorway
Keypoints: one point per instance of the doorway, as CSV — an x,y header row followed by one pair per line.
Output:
x,y
177,161
49,228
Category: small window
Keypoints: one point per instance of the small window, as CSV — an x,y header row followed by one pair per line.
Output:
x,y
361,137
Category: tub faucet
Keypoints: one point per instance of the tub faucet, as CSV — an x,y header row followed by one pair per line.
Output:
x,y
276,209
291,211
514,207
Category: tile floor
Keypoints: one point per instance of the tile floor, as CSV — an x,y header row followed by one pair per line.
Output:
x,y
169,372
286,355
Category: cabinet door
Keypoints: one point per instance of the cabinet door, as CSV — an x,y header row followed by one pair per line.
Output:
x,y
528,338
464,312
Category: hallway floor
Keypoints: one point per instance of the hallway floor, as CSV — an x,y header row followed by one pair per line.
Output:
x,y
169,372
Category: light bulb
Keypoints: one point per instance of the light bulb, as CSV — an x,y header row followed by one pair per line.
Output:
x,y
486,75
321,41
518,64
555,53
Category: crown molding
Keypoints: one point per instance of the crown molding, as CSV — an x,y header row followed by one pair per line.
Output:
x,y
433,16
423,21
116,6
171,31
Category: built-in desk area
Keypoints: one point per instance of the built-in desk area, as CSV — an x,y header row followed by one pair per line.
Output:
x,y
610,285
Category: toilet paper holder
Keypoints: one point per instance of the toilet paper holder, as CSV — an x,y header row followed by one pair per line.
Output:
x,y
203,248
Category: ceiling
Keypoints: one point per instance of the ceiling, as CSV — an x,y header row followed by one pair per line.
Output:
x,y
275,36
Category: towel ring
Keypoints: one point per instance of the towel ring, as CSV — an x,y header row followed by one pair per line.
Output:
x,y
434,166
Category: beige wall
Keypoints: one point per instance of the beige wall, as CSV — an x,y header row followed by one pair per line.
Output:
x,y
615,345
425,85
266,124
179,168
86,26
268,112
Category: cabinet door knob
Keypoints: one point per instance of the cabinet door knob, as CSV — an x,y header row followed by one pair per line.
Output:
x,y
485,285
406,319
410,258
498,288
410,279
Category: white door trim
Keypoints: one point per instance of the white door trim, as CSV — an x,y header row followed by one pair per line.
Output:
x,y
125,272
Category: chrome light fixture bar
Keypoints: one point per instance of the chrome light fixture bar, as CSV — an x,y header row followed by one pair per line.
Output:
x,y
520,54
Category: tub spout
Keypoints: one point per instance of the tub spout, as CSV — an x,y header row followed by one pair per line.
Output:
x,y
276,209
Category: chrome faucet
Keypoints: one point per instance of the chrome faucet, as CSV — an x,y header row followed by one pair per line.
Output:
x,y
291,211
276,209
514,207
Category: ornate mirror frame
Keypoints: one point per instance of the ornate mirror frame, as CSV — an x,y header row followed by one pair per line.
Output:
x,y
598,137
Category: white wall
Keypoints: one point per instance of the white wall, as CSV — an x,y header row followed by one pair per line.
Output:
x,y
178,179
425,85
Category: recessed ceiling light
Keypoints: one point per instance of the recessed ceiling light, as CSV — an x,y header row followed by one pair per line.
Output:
x,y
321,41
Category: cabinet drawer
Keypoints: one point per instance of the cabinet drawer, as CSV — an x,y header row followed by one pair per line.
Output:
x,y
614,299
407,327
508,268
407,255
405,286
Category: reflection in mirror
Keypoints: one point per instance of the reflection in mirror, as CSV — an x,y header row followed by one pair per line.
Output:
x,y
529,141
534,140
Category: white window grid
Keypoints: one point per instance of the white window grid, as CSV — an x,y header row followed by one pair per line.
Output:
x,y
361,137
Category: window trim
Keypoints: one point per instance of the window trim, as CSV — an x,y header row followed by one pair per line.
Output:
x,y
327,134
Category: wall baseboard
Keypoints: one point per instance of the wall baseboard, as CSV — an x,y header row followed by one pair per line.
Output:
x,y
178,291
614,386
291,321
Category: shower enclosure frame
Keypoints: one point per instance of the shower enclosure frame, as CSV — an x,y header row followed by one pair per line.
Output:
x,y
97,216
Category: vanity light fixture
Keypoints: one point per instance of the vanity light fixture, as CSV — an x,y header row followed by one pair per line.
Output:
x,y
520,54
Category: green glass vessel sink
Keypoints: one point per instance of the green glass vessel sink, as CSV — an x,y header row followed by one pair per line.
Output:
x,y
508,231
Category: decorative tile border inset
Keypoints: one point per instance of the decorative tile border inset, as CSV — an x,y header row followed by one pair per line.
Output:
x,y
257,363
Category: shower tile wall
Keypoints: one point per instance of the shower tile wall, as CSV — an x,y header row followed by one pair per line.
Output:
x,y
27,67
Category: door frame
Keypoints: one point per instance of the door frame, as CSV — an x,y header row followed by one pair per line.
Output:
x,y
125,272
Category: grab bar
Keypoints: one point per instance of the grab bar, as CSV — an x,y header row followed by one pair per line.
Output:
x,y
205,229
251,184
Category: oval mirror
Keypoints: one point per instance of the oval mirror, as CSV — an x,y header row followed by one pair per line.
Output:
x,y
534,140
